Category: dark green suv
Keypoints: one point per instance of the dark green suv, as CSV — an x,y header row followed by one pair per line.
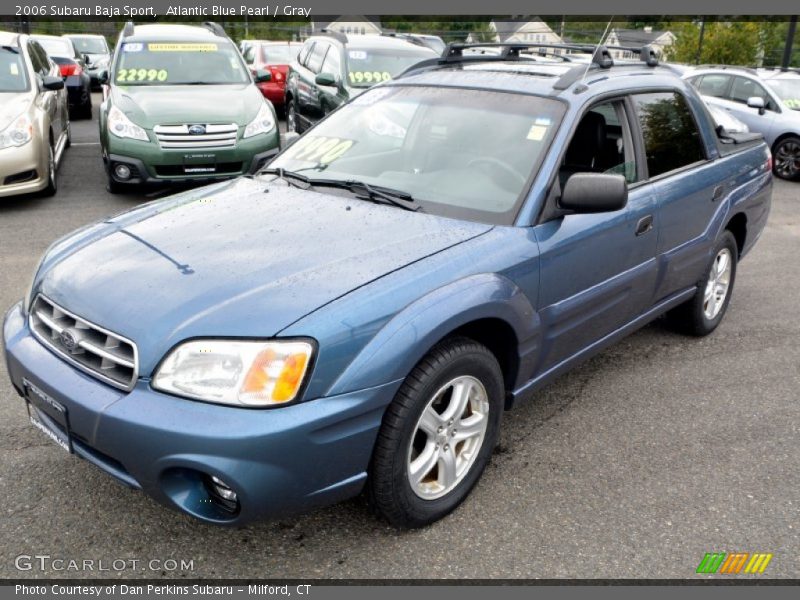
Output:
x,y
332,68
181,106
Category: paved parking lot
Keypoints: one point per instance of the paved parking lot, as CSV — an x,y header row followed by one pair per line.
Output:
x,y
636,464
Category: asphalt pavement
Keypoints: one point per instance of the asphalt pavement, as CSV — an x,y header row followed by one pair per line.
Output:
x,y
635,464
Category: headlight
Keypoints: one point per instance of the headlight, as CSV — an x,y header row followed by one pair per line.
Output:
x,y
18,133
263,123
122,126
242,373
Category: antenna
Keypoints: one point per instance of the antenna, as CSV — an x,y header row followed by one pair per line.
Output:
x,y
598,50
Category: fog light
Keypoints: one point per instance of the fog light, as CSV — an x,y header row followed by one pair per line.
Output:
x,y
222,494
222,489
122,171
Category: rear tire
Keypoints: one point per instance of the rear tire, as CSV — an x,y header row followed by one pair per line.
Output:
x,y
702,314
786,156
437,434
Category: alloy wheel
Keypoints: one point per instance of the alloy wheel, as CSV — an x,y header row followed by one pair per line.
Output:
x,y
448,437
718,284
787,159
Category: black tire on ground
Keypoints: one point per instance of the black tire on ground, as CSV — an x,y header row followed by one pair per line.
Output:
x,y
52,175
291,116
86,109
786,159
113,186
389,491
691,317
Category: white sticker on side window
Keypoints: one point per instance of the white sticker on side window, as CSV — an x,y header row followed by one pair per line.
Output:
x,y
13,68
132,47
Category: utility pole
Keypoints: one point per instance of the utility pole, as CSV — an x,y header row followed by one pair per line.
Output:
x,y
700,42
787,49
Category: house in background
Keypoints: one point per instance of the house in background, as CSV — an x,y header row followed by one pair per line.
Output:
x,y
637,38
521,29
355,24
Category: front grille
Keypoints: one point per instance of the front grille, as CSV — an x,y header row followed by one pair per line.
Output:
x,y
178,137
97,351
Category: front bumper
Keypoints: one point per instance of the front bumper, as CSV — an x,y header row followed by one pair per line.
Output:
x,y
23,169
278,461
153,164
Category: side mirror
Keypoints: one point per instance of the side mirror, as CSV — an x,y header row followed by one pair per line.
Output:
x,y
86,59
262,76
52,83
103,77
326,79
289,138
594,193
757,102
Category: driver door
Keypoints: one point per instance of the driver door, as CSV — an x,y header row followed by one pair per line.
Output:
x,y
598,271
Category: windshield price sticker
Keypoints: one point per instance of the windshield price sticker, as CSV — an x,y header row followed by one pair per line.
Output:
x,y
319,149
792,103
132,47
357,55
182,47
369,76
131,75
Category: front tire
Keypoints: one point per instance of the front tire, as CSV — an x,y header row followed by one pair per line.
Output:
x,y
52,175
786,155
437,435
704,311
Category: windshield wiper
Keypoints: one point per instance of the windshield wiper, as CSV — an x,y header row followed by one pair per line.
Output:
x,y
290,177
381,194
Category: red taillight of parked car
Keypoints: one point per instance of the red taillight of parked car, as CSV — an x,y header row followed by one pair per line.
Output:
x,y
277,76
70,69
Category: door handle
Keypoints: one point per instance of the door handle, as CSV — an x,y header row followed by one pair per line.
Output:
x,y
644,225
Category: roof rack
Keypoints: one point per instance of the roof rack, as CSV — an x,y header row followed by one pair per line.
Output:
x,y
750,70
337,35
127,31
512,51
215,28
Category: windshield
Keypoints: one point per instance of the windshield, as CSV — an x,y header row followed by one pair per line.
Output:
x,y
57,47
462,153
12,71
787,90
89,45
279,54
368,67
176,63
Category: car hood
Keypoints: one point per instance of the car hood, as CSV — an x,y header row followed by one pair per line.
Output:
x,y
241,259
13,105
150,105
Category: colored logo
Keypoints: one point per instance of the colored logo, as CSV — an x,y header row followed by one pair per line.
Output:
x,y
733,563
197,129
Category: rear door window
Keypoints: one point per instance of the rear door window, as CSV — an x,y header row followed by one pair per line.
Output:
x,y
671,138
712,85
